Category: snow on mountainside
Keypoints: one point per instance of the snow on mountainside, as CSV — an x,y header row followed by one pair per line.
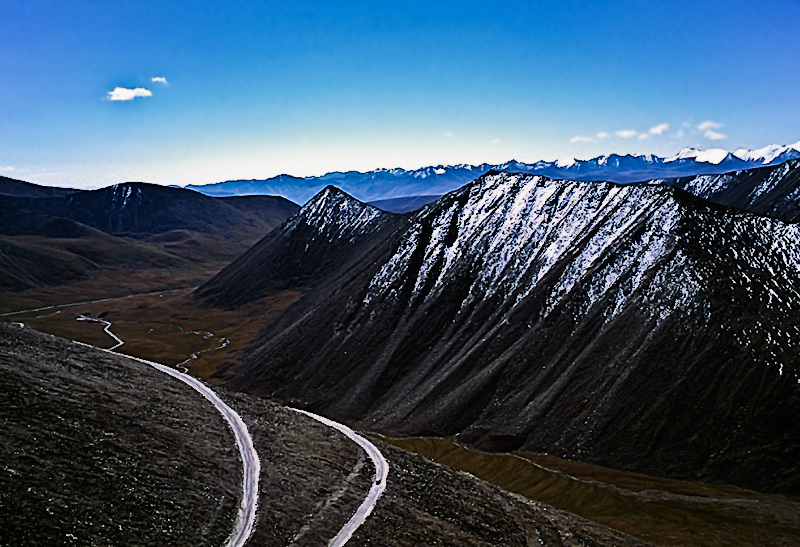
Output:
x,y
712,155
773,191
769,153
351,218
384,184
607,323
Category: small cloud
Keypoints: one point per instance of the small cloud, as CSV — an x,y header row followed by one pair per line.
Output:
x,y
659,129
714,136
7,169
644,137
627,133
679,134
602,135
125,94
448,134
494,141
706,125
159,80
580,138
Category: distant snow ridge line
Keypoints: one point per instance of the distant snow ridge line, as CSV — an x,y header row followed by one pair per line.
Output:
x,y
382,184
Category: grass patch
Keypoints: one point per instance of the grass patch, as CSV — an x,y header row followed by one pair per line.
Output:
x,y
660,510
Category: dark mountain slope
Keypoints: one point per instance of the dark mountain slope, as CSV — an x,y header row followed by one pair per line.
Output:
x,y
772,191
139,208
635,327
43,251
50,241
328,231
22,189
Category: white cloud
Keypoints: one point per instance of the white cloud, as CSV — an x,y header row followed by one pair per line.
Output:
x,y
627,133
714,136
494,141
448,134
679,134
125,94
602,135
706,125
659,129
644,137
580,138
159,80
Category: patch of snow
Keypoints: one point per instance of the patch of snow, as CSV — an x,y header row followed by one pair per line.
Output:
x,y
712,155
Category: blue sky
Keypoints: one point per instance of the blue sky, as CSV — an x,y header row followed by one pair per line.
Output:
x,y
254,89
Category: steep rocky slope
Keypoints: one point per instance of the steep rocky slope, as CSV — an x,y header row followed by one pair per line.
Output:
x,y
635,327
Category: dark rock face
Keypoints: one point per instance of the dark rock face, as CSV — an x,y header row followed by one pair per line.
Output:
x,y
636,327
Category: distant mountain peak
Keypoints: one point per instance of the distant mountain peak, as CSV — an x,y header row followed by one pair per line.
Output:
x,y
767,154
712,155
338,214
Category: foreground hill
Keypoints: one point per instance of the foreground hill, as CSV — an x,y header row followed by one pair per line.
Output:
x,y
100,449
636,327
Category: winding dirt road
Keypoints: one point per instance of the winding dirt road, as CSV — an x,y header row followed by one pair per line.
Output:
x,y
251,465
378,485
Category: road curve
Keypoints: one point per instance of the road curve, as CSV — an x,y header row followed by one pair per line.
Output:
x,y
378,485
251,465
106,329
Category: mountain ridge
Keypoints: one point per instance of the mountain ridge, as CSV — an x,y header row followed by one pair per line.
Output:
x,y
382,184
520,312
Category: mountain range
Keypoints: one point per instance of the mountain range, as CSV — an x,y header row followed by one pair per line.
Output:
x,y
385,184
633,326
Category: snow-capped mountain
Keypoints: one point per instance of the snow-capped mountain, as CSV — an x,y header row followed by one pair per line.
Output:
x,y
384,184
632,326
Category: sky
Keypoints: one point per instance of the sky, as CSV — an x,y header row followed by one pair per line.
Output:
x,y
192,92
